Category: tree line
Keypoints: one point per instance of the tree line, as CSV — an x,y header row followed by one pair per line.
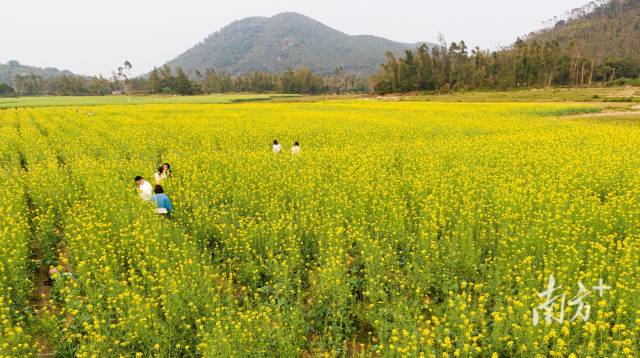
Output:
x,y
440,68
170,81
526,64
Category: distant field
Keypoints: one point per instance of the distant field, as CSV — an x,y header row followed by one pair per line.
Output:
x,y
612,95
617,96
109,100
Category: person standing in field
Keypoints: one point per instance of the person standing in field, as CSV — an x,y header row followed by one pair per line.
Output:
x,y
144,188
163,173
276,149
295,150
162,201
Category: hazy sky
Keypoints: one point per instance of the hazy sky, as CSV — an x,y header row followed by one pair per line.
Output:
x,y
95,36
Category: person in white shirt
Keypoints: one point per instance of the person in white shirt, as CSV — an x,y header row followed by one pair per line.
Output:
x,y
276,149
144,188
295,150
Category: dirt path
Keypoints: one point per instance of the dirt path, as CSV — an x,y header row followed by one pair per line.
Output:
x,y
41,298
43,305
627,92
42,302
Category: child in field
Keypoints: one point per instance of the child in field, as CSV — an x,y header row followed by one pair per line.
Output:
x,y
163,173
276,149
144,188
163,204
295,150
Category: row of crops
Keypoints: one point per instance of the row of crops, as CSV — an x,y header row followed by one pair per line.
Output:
x,y
403,229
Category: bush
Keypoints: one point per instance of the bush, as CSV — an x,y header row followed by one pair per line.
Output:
x,y
627,82
6,91
619,99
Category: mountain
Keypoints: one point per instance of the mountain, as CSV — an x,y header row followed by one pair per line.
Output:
x,y
13,68
286,40
598,31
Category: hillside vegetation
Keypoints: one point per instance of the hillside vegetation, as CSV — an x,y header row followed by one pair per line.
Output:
x,y
599,31
11,69
598,45
287,40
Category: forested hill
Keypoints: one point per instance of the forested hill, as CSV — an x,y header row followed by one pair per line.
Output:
x,y
287,40
599,31
11,69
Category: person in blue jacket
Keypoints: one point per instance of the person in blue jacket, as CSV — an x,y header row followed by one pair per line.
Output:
x,y
163,204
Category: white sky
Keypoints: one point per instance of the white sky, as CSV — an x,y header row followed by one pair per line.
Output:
x,y
95,36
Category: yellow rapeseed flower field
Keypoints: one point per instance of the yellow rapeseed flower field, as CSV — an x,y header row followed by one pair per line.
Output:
x,y
402,229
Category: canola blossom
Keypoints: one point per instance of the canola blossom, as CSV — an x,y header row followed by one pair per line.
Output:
x,y
401,229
